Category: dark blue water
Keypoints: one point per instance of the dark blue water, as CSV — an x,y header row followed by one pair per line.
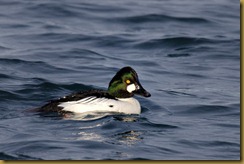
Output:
x,y
187,55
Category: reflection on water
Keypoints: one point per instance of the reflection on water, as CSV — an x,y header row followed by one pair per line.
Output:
x,y
110,133
129,138
125,138
120,155
127,118
93,136
89,116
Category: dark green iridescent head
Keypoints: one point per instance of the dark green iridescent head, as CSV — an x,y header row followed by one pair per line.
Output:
x,y
125,84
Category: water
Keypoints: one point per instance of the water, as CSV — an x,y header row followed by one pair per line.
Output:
x,y
187,55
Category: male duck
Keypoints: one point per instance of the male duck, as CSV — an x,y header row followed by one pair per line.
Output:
x,y
118,97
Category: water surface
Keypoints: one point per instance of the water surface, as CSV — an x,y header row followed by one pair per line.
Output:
x,y
187,56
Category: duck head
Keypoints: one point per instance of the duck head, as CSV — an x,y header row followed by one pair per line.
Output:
x,y
125,84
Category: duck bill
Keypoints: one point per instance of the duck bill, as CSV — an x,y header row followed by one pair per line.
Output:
x,y
141,91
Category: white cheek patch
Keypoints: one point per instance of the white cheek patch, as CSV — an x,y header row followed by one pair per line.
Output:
x,y
130,88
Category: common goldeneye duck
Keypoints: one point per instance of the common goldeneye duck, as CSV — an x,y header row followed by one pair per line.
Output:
x,y
118,98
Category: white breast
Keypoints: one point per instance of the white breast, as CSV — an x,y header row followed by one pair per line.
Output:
x,y
93,104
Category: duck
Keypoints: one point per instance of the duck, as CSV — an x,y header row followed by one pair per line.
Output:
x,y
118,98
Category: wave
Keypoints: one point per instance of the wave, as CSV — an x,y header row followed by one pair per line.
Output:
x,y
176,55
8,95
3,48
203,110
4,156
36,66
48,10
157,18
174,42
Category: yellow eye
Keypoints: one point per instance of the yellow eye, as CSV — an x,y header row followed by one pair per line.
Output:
x,y
127,81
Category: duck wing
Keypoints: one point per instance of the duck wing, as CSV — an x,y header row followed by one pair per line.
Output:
x,y
82,97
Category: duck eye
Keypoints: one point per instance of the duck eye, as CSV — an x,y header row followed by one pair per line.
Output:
x,y
127,81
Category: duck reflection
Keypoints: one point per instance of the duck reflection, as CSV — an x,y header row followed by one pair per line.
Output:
x,y
129,137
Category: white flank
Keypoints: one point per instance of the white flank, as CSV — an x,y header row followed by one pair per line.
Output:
x,y
93,104
130,88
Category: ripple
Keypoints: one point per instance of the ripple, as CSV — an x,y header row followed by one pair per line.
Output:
x,y
45,91
174,42
36,66
49,10
205,110
4,156
15,25
157,126
4,76
7,95
48,37
178,55
3,48
101,8
214,143
149,18
10,3
178,93
109,41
